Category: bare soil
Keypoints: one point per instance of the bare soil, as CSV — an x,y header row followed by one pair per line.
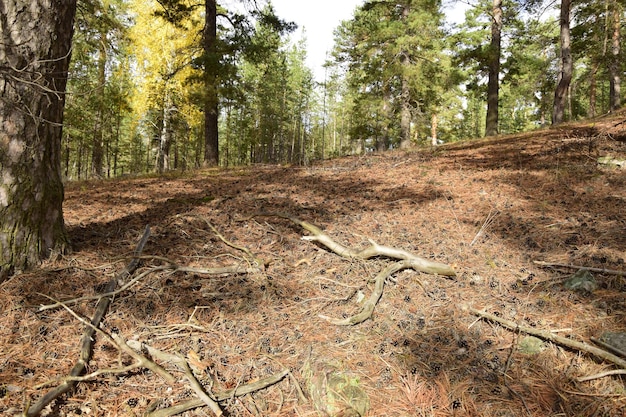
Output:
x,y
489,208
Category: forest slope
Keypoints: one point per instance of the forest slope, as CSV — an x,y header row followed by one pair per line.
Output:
x,y
489,208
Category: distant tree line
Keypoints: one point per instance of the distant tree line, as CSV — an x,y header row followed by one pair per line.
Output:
x,y
156,85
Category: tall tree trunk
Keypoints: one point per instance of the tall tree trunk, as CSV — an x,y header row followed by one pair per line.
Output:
x,y
405,94
493,86
382,142
211,142
593,89
166,139
405,116
567,65
35,54
433,129
97,150
614,69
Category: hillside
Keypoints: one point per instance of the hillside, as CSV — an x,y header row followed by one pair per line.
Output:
x,y
491,209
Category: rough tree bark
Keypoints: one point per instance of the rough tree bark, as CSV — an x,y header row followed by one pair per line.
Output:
x,y
433,129
34,58
493,86
567,65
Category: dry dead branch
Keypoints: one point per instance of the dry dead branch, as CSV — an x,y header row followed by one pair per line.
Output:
x,y
551,337
221,396
182,364
598,270
257,262
602,375
614,349
87,339
374,250
407,260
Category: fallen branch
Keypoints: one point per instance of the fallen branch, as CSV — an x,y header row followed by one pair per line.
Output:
x,y
225,395
182,364
613,349
106,294
257,262
549,336
121,345
602,375
172,266
598,270
407,260
417,263
87,340
207,399
368,306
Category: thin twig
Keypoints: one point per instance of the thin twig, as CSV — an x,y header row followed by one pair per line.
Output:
x,y
588,268
551,337
485,226
602,375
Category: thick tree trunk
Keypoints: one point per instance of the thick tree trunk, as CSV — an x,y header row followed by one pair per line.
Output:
x,y
493,86
211,142
567,65
34,56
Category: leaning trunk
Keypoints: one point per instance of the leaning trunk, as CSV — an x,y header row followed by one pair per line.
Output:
x,y
565,76
35,53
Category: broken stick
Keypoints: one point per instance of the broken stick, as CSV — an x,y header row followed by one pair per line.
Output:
x,y
406,259
551,337
86,342
417,263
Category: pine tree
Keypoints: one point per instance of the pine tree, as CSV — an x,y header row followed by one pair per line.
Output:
x,y
95,102
494,56
217,42
35,54
566,66
396,69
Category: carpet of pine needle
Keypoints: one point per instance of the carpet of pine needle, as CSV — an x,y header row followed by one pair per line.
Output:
x,y
489,208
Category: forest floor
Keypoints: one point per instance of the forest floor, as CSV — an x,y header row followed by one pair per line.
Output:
x,y
488,208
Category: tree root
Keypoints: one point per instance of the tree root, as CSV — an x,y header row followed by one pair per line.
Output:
x,y
368,306
132,348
